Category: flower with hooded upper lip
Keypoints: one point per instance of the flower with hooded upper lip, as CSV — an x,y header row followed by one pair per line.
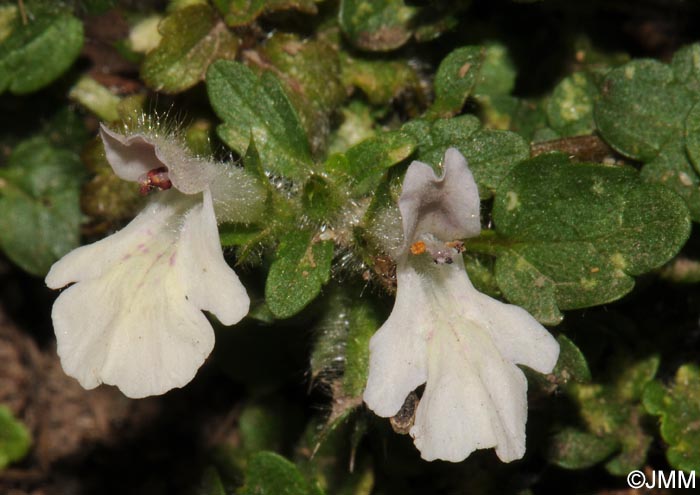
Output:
x,y
133,316
462,344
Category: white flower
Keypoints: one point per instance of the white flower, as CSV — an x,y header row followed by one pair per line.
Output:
x,y
133,317
462,344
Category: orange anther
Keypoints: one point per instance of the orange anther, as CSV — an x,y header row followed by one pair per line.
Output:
x,y
418,247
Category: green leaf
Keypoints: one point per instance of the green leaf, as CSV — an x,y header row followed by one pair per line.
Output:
x,y
39,205
358,125
480,271
678,405
526,117
642,108
37,53
365,164
686,67
497,72
629,384
437,18
239,234
377,25
240,12
381,81
302,266
692,135
259,109
490,153
635,443
518,274
15,439
310,73
96,98
252,163
673,169
621,401
572,364
613,415
647,111
455,80
193,37
576,234
570,107
321,200
308,67
272,474
9,14
385,25
574,449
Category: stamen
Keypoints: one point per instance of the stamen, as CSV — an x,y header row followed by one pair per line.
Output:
x,y
418,248
154,179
